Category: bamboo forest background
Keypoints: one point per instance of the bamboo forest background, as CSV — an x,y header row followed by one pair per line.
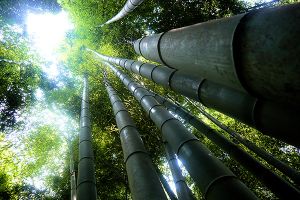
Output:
x,y
33,143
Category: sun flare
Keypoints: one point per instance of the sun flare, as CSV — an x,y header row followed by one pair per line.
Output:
x,y
47,31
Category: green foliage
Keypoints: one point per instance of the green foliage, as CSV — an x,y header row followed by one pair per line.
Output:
x,y
60,185
38,153
41,147
12,175
175,14
7,167
18,76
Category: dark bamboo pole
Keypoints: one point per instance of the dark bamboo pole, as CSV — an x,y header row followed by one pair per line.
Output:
x,y
166,185
143,180
128,8
277,185
86,183
257,52
213,178
72,174
281,166
183,191
254,112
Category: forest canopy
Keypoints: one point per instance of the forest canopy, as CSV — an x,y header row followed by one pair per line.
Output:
x,y
41,84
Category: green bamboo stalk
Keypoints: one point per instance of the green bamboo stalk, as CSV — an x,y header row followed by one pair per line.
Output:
x,y
72,175
254,112
128,8
183,191
277,185
269,158
86,183
166,185
213,178
251,52
143,180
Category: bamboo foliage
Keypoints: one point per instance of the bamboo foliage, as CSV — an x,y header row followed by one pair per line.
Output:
x,y
212,177
143,180
15,62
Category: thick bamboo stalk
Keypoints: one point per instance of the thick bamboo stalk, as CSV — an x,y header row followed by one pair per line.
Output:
x,y
213,178
273,119
86,183
128,8
143,181
183,191
73,186
257,52
276,184
166,185
281,166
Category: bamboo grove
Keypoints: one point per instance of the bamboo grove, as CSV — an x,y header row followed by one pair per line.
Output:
x,y
229,65
155,99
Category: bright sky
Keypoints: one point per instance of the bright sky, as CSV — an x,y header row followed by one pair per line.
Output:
x,y
46,32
